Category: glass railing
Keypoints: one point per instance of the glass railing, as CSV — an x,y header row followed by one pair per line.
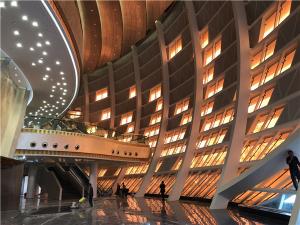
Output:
x,y
75,126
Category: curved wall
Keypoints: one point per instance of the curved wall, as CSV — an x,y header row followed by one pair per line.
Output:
x,y
217,88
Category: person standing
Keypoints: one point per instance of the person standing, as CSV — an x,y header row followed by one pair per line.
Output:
x,y
162,187
90,195
118,190
293,163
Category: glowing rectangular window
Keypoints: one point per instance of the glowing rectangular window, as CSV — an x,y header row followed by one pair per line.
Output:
x,y
101,94
228,116
270,72
272,120
256,60
152,143
156,118
130,128
255,82
151,131
217,48
253,102
269,24
208,75
174,135
105,114
186,118
214,88
155,93
207,108
212,52
265,98
263,55
175,47
218,120
207,124
204,38
132,91
270,50
181,106
74,114
287,61
159,104
126,118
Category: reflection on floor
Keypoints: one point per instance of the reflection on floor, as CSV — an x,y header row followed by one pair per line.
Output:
x,y
128,211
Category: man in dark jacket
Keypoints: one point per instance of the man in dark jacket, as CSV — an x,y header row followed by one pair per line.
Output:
x,y
90,194
162,187
293,163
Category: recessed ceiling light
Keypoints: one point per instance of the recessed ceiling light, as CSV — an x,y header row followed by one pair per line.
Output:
x,y
44,102
35,24
57,102
16,74
65,84
53,90
2,5
63,103
51,96
47,42
65,90
60,98
19,45
57,62
14,4
58,83
64,100
46,75
31,49
62,78
64,93
16,32
45,53
44,78
38,44
53,86
40,61
48,68
33,64
30,113
60,88
19,81
40,34
24,17
61,73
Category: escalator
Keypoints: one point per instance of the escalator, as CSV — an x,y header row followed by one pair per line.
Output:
x,y
71,187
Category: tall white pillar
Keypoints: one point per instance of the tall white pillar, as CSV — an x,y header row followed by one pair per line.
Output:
x,y
230,169
295,217
94,177
32,175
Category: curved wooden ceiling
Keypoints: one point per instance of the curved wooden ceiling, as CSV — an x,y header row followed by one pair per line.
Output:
x,y
102,31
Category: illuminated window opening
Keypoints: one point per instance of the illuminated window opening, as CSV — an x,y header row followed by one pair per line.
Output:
x,y
174,47
101,94
273,20
132,91
151,131
181,106
156,118
102,172
186,118
204,40
260,101
155,93
130,128
263,55
208,75
126,118
214,88
212,139
212,52
207,108
152,143
159,104
175,135
75,114
105,114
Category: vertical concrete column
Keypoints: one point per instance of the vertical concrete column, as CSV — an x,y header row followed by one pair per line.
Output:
x,y
86,114
32,178
165,112
138,89
295,217
119,179
230,169
198,96
112,95
94,177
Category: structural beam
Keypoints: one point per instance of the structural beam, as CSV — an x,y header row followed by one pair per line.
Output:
x,y
138,89
119,179
198,96
230,169
165,112
112,95
94,177
295,217
86,115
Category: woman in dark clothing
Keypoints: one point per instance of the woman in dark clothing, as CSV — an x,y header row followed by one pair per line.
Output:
x,y
162,187
90,194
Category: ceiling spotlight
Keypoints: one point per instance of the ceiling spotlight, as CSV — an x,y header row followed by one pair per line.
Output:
x,y
48,68
14,4
51,96
57,102
19,81
58,83
31,49
60,98
61,73
16,32
65,90
53,86
45,53
33,64
62,78
40,34
39,44
24,17
65,84
19,45
47,42
64,100
40,61
44,78
16,74
46,75
30,113
63,103
64,93
2,5
44,102
35,24
60,88
57,62
53,90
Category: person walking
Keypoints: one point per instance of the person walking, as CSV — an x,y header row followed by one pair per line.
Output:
x,y
162,187
90,194
293,163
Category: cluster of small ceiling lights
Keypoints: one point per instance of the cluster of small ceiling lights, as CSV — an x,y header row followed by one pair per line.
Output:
x,y
40,49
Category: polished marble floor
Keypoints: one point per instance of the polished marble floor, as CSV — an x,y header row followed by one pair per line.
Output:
x,y
108,211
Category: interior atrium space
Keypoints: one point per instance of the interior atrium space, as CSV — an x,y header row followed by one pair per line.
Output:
x,y
152,112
